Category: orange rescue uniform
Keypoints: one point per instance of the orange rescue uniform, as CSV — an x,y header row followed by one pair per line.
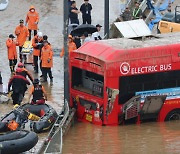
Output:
x,y
11,46
22,33
47,53
32,19
71,47
35,40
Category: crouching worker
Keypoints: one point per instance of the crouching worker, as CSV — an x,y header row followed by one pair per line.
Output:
x,y
38,92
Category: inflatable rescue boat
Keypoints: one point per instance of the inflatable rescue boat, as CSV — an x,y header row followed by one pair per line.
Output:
x,y
41,117
15,142
47,116
14,120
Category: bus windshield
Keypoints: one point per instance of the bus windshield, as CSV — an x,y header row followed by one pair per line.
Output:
x,y
87,82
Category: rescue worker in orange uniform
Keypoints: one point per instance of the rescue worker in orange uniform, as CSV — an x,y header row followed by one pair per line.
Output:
x,y
38,92
18,83
45,37
32,20
24,72
22,34
12,53
71,46
37,43
47,61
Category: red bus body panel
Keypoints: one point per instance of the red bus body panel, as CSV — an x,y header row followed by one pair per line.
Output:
x,y
108,59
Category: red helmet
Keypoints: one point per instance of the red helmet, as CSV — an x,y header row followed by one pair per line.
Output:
x,y
18,70
20,64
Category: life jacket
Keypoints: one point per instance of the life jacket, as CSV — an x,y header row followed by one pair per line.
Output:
x,y
38,93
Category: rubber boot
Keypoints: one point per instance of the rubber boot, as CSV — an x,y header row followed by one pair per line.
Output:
x,y
12,69
20,56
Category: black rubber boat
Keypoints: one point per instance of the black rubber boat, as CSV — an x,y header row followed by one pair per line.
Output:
x,y
42,118
13,120
47,116
15,142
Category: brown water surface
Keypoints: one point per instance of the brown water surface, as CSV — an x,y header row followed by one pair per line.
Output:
x,y
83,137
147,138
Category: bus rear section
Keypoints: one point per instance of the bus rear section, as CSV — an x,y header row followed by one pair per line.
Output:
x,y
87,94
108,78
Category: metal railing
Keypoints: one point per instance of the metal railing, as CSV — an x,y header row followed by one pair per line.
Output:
x,y
143,5
53,142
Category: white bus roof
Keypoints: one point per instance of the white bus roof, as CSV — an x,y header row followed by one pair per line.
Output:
x,y
158,40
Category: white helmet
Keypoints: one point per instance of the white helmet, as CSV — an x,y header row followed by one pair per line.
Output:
x,y
40,34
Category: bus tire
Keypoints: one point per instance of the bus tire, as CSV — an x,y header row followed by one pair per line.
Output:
x,y
173,115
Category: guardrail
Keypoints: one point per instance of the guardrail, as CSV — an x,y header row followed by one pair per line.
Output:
x,y
53,142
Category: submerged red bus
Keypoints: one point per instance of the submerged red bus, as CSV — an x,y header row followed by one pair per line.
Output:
x,y
106,76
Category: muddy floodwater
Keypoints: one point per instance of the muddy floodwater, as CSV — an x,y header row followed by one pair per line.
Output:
x,y
82,138
146,138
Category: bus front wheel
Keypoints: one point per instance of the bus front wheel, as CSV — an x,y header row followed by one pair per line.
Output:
x,y
173,115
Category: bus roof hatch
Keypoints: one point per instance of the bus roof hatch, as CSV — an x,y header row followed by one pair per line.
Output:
x,y
133,28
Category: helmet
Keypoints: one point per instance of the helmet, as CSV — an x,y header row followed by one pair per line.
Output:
x,y
18,70
40,34
31,7
20,65
36,81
